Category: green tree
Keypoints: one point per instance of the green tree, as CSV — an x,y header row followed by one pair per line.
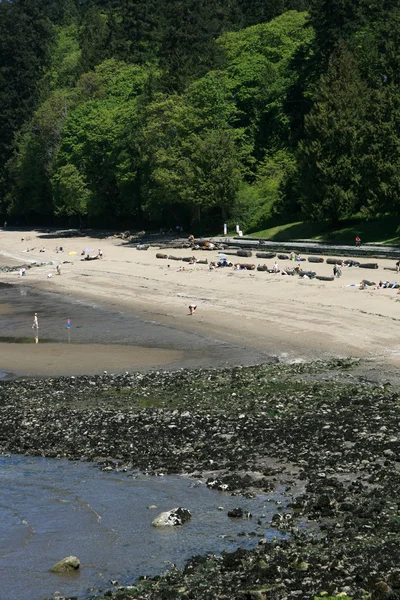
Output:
x,y
64,67
136,30
188,50
101,136
258,65
195,159
262,11
25,38
94,38
32,165
329,160
71,193
380,153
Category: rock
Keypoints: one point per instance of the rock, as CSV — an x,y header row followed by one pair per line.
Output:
x,y
236,513
66,565
172,518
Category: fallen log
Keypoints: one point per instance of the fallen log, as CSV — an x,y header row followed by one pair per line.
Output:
x,y
283,257
265,254
315,259
334,261
244,253
159,255
170,257
368,266
324,278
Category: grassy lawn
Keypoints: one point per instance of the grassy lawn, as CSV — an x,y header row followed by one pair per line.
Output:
x,y
384,230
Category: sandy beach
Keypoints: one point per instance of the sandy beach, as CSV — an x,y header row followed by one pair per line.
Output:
x,y
289,317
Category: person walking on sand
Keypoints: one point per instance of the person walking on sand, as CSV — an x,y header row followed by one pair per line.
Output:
x,y
192,308
35,324
58,267
358,240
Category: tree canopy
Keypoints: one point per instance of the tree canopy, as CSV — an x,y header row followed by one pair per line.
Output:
x,y
199,112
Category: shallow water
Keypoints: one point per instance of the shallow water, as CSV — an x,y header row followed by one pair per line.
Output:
x,y
93,325
52,508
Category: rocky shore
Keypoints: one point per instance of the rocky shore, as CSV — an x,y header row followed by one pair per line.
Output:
x,y
319,431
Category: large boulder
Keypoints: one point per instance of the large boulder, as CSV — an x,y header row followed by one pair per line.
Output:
x,y
172,518
66,565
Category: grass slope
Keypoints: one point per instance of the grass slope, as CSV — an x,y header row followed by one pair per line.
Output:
x,y
384,230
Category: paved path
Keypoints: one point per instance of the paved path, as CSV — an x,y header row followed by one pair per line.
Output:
x,y
309,247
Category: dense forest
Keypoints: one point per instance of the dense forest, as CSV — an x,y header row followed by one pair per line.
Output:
x,y
198,112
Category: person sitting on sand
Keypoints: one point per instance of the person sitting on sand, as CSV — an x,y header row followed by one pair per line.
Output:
x,y
276,267
192,308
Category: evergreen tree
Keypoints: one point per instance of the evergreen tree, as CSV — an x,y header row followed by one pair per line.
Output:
x,y
261,11
25,39
190,29
94,38
136,30
329,162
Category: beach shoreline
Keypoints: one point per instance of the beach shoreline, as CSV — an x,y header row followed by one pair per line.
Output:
x,y
288,317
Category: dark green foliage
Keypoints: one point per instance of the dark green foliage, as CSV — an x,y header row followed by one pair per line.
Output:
x,y
330,151
261,11
25,38
199,111
94,38
191,27
136,30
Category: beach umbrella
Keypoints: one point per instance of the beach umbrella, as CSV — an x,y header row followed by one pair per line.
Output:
x,y
72,253
88,250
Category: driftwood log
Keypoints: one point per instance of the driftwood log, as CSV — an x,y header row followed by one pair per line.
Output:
x,y
265,254
324,278
368,266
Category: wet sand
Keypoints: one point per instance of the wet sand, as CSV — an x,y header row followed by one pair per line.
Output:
x,y
98,339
